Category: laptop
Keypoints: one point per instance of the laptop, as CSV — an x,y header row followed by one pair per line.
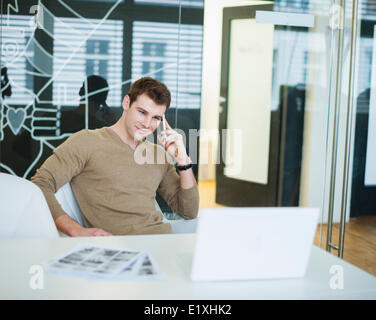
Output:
x,y
253,243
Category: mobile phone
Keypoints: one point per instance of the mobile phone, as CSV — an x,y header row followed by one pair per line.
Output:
x,y
164,122
163,136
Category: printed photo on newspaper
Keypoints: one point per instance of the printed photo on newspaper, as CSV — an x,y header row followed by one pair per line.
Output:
x,y
143,269
89,260
95,261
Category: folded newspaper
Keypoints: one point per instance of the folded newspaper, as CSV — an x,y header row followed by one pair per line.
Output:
x,y
104,262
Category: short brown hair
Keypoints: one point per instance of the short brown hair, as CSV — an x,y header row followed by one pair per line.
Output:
x,y
157,91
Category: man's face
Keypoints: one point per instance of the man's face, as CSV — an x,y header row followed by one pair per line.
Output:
x,y
142,117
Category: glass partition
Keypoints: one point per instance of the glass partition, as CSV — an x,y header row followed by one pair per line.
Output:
x,y
359,237
314,125
66,66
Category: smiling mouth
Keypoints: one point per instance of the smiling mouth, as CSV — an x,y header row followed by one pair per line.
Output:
x,y
143,130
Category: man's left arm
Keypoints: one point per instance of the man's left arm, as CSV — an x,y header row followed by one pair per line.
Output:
x,y
179,190
187,178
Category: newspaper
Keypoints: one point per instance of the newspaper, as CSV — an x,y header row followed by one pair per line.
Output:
x,y
143,268
104,262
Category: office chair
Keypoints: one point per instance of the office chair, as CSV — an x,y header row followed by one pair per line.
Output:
x,y
24,211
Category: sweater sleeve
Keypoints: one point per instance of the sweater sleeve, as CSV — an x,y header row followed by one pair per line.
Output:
x,y
67,161
185,202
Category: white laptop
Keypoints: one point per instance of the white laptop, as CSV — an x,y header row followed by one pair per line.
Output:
x,y
253,243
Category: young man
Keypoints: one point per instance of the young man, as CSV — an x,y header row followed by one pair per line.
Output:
x,y
115,191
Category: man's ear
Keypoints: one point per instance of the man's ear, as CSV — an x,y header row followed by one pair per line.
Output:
x,y
125,103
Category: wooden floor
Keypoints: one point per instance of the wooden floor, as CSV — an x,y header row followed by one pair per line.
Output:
x,y
360,242
360,233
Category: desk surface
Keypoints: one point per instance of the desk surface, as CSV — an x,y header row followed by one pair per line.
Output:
x,y
17,256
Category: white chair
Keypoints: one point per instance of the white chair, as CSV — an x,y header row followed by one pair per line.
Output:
x,y
24,212
69,204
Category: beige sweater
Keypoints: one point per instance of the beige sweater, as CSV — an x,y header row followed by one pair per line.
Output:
x,y
114,191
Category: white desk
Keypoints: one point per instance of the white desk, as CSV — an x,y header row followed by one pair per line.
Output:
x,y
17,256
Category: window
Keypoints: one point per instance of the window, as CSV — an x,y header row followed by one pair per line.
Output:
x,y
156,52
83,55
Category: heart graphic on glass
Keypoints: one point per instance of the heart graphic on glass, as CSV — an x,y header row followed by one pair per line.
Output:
x,y
16,119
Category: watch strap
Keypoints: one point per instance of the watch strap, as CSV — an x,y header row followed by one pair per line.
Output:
x,y
186,167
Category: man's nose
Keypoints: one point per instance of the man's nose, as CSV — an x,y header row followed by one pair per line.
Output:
x,y
147,122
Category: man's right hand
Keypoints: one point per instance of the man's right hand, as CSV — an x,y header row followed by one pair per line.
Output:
x,y
90,232
67,225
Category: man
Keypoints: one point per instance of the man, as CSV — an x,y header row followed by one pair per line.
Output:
x,y
115,190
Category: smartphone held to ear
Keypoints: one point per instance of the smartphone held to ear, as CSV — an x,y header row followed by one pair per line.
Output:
x,y
163,136
164,122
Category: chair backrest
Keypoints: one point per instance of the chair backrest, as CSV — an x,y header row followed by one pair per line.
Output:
x,y
24,212
68,202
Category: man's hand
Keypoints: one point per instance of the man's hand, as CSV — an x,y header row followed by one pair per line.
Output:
x,y
67,225
90,232
173,142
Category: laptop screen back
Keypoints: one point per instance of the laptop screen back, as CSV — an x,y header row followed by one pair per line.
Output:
x,y
253,243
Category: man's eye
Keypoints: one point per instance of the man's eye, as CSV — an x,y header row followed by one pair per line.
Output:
x,y
143,112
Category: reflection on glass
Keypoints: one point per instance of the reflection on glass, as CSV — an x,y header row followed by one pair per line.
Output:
x,y
48,69
93,93
360,230
101,54
32,123
183,3
312,54
370,97
102,0
17,55
171,54
291,59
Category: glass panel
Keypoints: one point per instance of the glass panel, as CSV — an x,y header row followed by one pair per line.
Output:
x,y
47,82
368,97
18,56
172,54
67,66
158,48
360,230
183,3
101,54
323,107
102,0
297,72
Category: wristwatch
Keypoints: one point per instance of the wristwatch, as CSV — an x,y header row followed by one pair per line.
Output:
x,y
186,167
